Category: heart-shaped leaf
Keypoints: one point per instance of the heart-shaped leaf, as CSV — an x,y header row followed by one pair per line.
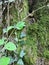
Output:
x,y
1,42
10,46
20,25
23,34
22,53
16,39
4,60
4,30
20,62
9,28
48,5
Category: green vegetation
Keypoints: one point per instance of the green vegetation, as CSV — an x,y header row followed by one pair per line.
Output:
x,y
24,41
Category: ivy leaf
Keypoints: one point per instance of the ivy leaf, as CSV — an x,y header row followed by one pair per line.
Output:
x,y
4,60
23,34
48,5
20,25
12,60
16,39
4,30
1,42
20,62
22,53
9,28
10,46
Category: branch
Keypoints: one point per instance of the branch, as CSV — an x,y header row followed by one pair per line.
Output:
x,y
33,12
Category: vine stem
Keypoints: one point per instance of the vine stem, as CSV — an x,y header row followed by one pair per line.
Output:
x,y
33,12
8,17
22,20
7,40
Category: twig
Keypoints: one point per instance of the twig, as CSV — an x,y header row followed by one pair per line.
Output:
x,y
33,12
8,18
23,20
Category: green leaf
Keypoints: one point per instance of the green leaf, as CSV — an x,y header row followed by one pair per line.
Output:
x,y
9,28
1,42
4,30
22,53
20,62
48,5
4,60
16,39
23,34
20,25
10,46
